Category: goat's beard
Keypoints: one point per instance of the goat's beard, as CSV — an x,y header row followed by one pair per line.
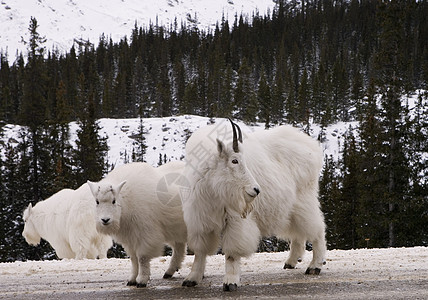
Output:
x,y
247,209
110,229
248,204
236,199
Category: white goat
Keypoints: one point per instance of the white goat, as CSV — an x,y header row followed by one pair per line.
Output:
x,y
283,164
67,221
140,207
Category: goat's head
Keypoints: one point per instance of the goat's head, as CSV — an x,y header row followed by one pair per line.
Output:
x,y
108,206
30,232
232,177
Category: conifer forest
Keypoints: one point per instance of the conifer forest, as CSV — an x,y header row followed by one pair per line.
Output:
x,y
319,61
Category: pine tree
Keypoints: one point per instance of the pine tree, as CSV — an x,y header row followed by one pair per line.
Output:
x,y
90,155
3,211
413,232
372,211
160,162
18,194
278,97
226,96
340,89
60,143
347,213
389,79
10,203
265,100
245,99
6,102
304,95
139,150
33,109
329,199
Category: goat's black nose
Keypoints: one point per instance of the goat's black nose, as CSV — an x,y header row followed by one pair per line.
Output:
x,y
105,221
257,190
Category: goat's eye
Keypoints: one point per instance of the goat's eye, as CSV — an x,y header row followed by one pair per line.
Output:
x,y
98,202
114,201
234,161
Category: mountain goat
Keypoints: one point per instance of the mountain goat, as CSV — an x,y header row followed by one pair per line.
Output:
x,y
222,204
67,221
140,207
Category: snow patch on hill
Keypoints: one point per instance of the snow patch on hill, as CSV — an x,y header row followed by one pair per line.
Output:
x,y
64,21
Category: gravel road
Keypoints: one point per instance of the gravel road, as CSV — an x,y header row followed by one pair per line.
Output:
x,y
396,273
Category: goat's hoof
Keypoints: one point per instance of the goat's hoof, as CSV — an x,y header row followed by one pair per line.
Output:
x,y
141,285
167,276
131,283
288,266
230,287
189,283
313,271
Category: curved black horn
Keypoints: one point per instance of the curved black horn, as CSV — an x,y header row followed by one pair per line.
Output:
x,y
239,133
235,138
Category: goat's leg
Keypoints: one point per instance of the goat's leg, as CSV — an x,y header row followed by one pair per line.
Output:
x,y
134,271
231,279
176,259
202,244
297,249
319,251
198,269
240,239
143,271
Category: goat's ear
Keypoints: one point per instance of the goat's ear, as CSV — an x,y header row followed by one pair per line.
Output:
x,y
94,188
30,207
119,187
221,148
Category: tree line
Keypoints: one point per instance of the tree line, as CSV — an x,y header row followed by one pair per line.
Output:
x,y
318,61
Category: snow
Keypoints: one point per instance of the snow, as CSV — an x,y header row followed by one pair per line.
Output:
x,y
62,21
402,272
167,136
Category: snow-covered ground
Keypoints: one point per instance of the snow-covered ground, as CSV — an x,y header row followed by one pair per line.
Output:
x,y
63,21
394,273
167,136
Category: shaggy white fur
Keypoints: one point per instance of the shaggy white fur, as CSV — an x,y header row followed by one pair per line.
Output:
x,y
284,164
141,208
67,221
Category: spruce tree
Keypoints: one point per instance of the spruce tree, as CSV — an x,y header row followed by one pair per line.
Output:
x,y
347,212
226,96
60,143
33,111
265,100
91,149
389,77
245,99
329,196
372,211
139,150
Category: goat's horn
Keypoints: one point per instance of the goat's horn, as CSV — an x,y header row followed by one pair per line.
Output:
x,y
235,138
239,133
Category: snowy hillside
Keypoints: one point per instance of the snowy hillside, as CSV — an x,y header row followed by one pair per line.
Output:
x,y
167,136
63,21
